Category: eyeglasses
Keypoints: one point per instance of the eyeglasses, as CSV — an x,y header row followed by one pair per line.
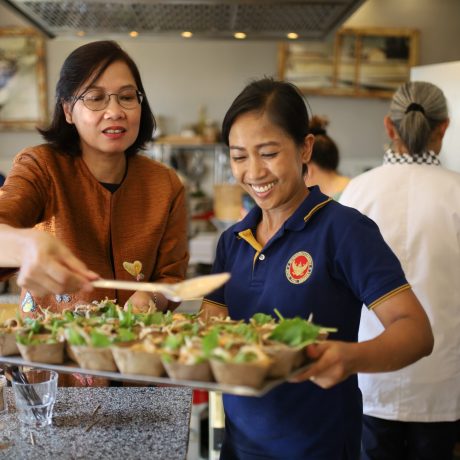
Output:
x,y
96,99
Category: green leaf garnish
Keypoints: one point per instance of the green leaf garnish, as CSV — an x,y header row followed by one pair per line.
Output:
x,y
125,335
295,332
261,318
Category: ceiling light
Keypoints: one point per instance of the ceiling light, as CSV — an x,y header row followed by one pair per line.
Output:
x,y
187,34
239,35
292,36
133,34
81,33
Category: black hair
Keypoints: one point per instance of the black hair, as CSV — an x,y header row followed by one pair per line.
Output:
x,y
86,64
281,101
325,152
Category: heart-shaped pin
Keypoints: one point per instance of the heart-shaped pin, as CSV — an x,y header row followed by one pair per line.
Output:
x,y
134,268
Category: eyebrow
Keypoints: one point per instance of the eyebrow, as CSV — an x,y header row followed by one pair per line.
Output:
x,y
258,146
102,88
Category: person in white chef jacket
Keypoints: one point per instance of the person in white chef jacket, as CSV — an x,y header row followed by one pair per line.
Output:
x,y
414,413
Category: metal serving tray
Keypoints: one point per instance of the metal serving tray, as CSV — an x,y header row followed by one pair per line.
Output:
x,y
240,390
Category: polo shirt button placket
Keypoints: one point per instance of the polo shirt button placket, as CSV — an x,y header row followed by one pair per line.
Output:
x,y
262,257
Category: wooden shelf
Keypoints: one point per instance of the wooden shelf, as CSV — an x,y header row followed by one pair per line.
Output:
x,y
359,62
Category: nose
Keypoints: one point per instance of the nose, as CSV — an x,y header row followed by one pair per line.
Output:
x,y
114,109
256,167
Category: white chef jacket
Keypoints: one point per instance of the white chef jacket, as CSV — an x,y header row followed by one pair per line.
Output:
x,y
417,207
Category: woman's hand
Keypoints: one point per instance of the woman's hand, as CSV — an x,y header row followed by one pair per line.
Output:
x,y
47,266
141,302
332,363
407,337
145,302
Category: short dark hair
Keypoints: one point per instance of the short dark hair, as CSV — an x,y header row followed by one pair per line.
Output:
x,y
89,62
281,101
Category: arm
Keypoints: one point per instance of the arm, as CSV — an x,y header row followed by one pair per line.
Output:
x,y
407,338
45,264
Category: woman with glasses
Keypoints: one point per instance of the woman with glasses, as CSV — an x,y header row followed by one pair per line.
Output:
x,y
85,204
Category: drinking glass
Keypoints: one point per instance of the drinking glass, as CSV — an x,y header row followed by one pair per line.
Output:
x,y
35,396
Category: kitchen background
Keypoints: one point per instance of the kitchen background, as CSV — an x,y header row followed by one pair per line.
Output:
x,y
186,79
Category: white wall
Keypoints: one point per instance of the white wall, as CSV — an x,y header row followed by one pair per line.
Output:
x,y
180,76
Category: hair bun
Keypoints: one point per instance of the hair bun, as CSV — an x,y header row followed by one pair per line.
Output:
x,y
318,125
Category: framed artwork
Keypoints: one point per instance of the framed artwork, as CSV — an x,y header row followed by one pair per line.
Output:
x,y
357,62
23,101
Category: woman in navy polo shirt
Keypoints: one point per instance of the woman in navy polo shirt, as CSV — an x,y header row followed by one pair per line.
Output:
x,y
345,263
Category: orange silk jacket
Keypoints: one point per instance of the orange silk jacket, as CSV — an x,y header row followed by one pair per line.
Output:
x,y
145,219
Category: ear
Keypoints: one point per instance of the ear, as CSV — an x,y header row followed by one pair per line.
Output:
x,y
390,128
307,148
443,126
67,108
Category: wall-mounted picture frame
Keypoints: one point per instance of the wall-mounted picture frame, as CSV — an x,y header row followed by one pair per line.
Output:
x,y
356,62
23,99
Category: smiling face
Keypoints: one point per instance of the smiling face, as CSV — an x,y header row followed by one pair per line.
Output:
x,y
112,130
266,161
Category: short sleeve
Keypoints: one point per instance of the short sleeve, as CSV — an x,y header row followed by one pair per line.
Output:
x,y
366,262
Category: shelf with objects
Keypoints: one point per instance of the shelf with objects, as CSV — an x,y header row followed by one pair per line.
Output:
x,y
356,62
214,201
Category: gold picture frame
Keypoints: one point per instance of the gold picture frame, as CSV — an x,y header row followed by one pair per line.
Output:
x,y
357,62
23,99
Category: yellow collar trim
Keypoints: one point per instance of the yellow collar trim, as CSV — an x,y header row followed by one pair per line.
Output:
x,y
249,237
316,208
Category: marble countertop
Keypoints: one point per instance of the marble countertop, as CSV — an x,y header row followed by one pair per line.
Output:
x,y
131,423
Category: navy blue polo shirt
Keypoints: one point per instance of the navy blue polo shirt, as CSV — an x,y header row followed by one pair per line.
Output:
x,y
327,260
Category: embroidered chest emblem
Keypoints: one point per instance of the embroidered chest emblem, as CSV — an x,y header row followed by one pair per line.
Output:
x,y
299,267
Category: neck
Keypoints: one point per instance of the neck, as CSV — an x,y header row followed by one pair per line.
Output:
x,y
273,219
434,146
329,182
107,169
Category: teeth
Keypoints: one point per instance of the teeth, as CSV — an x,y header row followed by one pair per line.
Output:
x,y
262,188
113,131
